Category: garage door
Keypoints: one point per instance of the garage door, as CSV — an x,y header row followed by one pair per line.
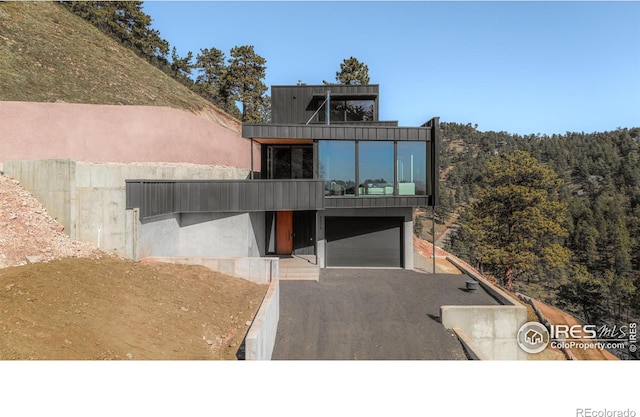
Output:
x,y
364,241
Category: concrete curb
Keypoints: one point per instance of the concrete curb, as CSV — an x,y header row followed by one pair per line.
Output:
x,y
496,292
471,349
544,320
261,337
486,332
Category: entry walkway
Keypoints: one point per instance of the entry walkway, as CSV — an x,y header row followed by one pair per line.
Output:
x,y
299,268
371,314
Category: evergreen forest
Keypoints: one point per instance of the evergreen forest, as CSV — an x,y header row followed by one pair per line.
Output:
x,y
591,265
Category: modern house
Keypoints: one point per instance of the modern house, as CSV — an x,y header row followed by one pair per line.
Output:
x,y
332,181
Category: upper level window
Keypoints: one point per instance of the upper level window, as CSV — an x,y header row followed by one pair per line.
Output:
x,y
412,168
349,111
375,168
285,162
336,165
379,168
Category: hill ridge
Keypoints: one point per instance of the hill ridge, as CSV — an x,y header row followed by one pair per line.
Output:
x,y
48,54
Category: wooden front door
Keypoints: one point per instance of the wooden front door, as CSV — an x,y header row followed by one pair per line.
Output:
x,y
284,232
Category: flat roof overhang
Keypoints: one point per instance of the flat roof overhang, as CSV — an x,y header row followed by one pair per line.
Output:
x,y
335,132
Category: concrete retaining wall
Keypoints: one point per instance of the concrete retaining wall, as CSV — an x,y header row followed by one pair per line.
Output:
x,y
259,270
261,337
89,199
202,235
108,133
490,332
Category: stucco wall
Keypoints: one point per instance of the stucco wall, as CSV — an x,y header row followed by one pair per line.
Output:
x,y
107,133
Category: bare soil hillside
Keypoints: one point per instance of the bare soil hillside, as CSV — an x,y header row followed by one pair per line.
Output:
x,y
61,299
102,307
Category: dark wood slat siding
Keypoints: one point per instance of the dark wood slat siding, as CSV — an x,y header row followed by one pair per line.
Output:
x,y
372,202
336,132
339,89
133,195
269,195
156,198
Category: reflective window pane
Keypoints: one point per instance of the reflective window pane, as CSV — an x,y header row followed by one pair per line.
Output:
x,y
412,168
280,162
359,110
375,168
349,111
284,162
336,166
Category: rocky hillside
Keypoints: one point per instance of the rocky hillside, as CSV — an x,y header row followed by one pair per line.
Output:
x,y
27,233
48,54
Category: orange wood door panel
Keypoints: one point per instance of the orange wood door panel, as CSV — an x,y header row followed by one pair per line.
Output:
x,y
284,232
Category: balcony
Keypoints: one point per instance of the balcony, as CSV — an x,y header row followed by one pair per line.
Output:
x,y
160,197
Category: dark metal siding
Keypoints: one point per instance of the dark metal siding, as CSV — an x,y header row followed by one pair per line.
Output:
x,y
156,198
291,103
364,241
368,202
335,132
304,232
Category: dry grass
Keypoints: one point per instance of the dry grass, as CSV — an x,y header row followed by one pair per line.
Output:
x,y
48,54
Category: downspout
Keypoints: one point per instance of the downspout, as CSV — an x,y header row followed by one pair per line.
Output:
x,y
251,150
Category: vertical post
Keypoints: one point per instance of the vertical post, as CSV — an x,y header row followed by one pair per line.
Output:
x,y
435,179
396,180
328,107
433,239
251,175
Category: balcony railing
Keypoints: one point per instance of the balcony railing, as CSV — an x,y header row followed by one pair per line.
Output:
x,y
159,197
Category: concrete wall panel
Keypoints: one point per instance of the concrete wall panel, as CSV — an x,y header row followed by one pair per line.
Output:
x,y
52,182
214,234
89,199
201,235
159,237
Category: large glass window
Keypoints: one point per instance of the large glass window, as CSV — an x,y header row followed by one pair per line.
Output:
x,y
349,111
412,168
285,162
337,167
375,168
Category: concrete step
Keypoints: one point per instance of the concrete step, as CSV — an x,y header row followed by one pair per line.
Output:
x,y
298,269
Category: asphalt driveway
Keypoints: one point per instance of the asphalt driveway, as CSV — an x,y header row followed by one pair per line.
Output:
x,y
371,314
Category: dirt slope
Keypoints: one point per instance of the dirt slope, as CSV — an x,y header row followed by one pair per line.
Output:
x,y
61,299
108,308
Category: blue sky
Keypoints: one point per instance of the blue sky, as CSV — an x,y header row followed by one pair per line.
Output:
x,y
520,67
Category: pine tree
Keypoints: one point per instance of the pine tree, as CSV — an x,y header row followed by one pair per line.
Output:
x,y
246,71
585,291
352,72
181,67
517,220
213,81
125,21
